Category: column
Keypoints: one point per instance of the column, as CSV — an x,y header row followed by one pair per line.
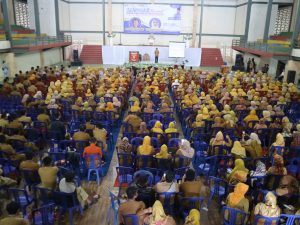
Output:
x,y
37,18
268,18
195,19
296,30
57,18
7,27
249,5
103,15
201,22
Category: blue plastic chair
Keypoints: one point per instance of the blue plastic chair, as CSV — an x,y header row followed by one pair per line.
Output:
x,y
232,216
158,116
114,206
189,203
277,149
290,219
174,143
218,188
67,202
100,116
267,220
129,135
137,141
43,195
31,177
180,172
43,215
168,201
157,174
155,142
181,161
142,161
163,164
91,164
125,175
126,159
21,197
131,219
294,167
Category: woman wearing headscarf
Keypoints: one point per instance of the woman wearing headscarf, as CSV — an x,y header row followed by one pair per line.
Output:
x,y
218,122
239,172
171,128
124,146
238,151
116,102
146,148
260,169
163,153
219,140
253,146
278,167
86,107
185,149
136,107
158,216
101,105
279,142
157,128
199,121
52,104
251,117
237,200
261,124
269,208
193,218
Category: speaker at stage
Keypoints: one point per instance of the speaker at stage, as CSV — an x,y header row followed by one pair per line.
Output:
x,y
75,55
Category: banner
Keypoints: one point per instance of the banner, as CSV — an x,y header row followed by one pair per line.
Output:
x,y
152,19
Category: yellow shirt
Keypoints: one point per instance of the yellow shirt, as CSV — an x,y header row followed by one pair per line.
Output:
x,y
13,220
48,176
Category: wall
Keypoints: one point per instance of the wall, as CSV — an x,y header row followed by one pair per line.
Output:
x,y
47,17
64,15
292,65
240,20
52,56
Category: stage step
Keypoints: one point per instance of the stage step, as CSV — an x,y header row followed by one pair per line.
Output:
x,y
211,57
91,54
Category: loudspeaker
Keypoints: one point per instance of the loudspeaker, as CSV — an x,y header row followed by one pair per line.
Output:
x,y
75,55
239,60
291,76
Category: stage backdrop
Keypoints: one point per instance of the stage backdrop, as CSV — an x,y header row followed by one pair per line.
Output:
x,y
152,19
118,55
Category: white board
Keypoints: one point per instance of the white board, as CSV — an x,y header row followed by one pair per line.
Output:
x,y
176,49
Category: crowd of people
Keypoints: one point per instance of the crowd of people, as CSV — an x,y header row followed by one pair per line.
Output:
x,y
240,134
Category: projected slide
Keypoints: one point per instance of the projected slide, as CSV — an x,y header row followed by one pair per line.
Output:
x,y
152,19
177,49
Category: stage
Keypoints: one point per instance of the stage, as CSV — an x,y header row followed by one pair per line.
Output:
x,y
119,55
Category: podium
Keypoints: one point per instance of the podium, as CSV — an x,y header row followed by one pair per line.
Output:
x,y
134,56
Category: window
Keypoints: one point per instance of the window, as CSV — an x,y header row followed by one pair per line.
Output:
x,y
21,10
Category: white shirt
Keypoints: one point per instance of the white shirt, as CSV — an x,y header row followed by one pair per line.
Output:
x,y
67,187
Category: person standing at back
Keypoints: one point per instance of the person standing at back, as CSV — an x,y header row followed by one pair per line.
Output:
x,y
156,53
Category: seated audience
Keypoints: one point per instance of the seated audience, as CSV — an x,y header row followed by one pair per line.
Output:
x,y
237,200
167,183
48,174
158,216
146,148
14,217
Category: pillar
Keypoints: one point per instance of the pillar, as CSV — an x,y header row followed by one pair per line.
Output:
x,y
7,27
37,18
201,22
268,18
249,5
